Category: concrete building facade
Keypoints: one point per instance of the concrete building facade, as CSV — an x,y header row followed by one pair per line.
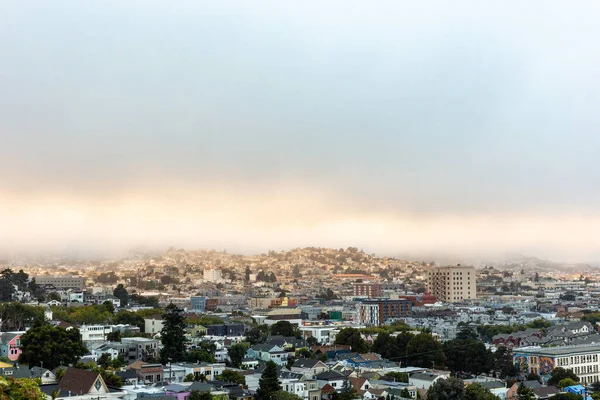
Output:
x,y
452,284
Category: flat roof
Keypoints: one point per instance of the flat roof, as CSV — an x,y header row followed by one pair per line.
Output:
x,y
559,351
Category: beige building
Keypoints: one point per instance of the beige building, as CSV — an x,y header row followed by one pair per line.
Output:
x,y
453,283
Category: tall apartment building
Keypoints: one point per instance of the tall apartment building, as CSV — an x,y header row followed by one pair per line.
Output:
x,y
370,290
61,282
213,275
452,284
377,312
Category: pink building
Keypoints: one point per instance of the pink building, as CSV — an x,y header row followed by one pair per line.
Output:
x,y
10,345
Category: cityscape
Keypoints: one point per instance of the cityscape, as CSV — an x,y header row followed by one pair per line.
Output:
x,y
299,200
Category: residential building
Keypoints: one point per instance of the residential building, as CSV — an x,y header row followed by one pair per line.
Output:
x,y
213,275
198,304
141,348
10,345
378,311
94,333
424,380
61,282
77,381
225,330
370,290
453,283
267,352
153,324
309,367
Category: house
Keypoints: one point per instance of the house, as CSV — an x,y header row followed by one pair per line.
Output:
x,y
81,382
153,324
541,392
268,352
360,384
147,373
10,345
140,348
424,380
307,389
308,367
287,342
249,363
333,378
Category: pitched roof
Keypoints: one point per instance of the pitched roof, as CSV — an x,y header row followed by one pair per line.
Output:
x,y
305,363
329,375
78,381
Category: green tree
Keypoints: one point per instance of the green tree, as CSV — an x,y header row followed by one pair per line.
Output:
x,y
386,346
257,334
232,376
200,355
236,353
559,373
396,377
525,393
504,366
52,346
121,293
352,338
197,395
189,378
567,396
172,335
108,306
347,392
468,355
283,328
268,382
476,391
20,389
566,383
283,395
466,333
447,389
424,351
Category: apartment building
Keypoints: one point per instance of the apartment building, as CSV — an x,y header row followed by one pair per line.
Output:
x,y
377,312
452,284
61,282
370,290
583,360
213,275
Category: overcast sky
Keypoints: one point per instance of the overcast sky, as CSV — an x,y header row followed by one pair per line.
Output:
x,y
400,126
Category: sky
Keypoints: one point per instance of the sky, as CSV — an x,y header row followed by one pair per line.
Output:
x,y
462,127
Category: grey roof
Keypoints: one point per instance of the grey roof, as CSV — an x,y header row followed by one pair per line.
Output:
x,y
423,376
559,351
329,375
200,386
305,363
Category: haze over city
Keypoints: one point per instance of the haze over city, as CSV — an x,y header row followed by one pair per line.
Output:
x,y
454,127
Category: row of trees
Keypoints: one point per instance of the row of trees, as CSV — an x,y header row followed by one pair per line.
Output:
x,y
465,354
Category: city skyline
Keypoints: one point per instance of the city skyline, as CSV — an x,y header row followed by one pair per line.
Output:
x,y
461,128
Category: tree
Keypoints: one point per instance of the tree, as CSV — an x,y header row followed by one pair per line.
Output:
x,y
108,306
446,389
189,378
20,389
559,373
52,346
257,334
347,392
567,396
396,377
283,328
352,338
202,355
468,355
236,354
114,336
268,382
121,293
197,395
247,274
232,376
476,391
533,377
296,272
172,335
424,351
525,393
466,333
503,363
283,395
566,383
312,341
386,346
104,360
